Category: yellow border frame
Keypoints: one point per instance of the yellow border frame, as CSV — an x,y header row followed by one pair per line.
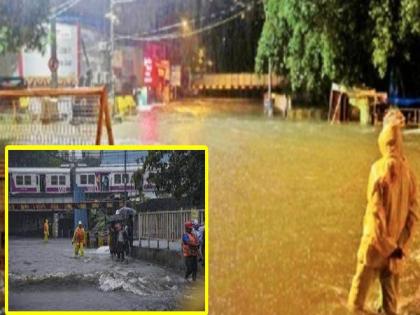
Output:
x,y
115,148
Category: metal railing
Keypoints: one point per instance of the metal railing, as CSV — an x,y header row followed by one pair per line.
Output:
x,y
161,228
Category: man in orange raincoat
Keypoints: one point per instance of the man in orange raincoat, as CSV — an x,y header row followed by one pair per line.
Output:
x,y
79,240
388,225
190,246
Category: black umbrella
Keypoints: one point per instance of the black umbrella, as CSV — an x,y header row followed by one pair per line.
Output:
x,y
125,211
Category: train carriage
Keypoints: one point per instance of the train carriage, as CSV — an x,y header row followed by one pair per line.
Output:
x,y
49,180
106,179
39,180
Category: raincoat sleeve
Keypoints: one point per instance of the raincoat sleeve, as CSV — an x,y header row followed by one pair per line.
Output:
x,y
74,236
375,221
412,217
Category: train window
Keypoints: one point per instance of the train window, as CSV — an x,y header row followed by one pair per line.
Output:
x,y
19,180
62,180
54,180
27,180
117,179
83,179
91,179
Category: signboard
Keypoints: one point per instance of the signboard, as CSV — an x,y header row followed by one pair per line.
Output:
x,y
148,71
36,64
176,75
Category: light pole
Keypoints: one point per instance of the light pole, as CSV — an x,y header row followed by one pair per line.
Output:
x,y
269,104
53,62
111,51
125,178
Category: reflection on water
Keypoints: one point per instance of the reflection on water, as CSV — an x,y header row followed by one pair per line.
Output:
x,y
286,201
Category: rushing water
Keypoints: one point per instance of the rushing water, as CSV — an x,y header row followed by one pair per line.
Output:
x,y
48,277
286,201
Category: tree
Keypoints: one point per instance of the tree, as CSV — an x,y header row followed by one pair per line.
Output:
x,y
22,23
179,173
352,42
138,177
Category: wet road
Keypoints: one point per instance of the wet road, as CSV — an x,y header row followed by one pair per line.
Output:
x,y
48,276
286,202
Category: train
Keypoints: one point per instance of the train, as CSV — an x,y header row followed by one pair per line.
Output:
x,y
61,180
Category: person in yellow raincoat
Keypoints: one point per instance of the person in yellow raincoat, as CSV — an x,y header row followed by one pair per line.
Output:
x,y
389,220
79,240
46,231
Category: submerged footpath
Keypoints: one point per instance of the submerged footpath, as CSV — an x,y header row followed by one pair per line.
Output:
x,y
49,277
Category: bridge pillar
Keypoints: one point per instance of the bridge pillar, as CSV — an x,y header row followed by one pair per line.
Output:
x,y
55,225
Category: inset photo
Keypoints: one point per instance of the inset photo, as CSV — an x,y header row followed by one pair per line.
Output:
x,y
104,228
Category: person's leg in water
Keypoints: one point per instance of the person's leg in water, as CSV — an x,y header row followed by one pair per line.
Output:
x,y
118,250
194,267
188,266
362,281
81,251
76,249
389,292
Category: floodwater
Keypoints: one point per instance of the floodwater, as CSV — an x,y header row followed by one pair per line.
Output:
x,y
286,201
48,277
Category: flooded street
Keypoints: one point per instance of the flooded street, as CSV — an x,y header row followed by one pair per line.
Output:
x,y
286,201
48,276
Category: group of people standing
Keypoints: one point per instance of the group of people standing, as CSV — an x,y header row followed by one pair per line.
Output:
x,y
120,241
193,247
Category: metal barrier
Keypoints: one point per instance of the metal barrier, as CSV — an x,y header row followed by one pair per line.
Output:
x,y
54,116
164,227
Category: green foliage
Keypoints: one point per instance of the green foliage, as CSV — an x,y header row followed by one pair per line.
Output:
x,y
179,173
138,177
22,23
350,42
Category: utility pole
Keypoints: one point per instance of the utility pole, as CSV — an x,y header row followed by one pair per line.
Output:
x,y
125,178
111,51
268,105
53,62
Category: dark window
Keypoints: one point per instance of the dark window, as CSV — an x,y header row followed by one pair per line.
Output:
x,y
54,180
27,180
117,179
91,179
62,180
83,179
19,180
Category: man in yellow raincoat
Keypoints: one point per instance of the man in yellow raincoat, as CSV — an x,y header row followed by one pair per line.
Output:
x,y
79,240
388,225
46,231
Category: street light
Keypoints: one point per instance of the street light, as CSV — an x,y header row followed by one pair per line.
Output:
x,y
184,24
